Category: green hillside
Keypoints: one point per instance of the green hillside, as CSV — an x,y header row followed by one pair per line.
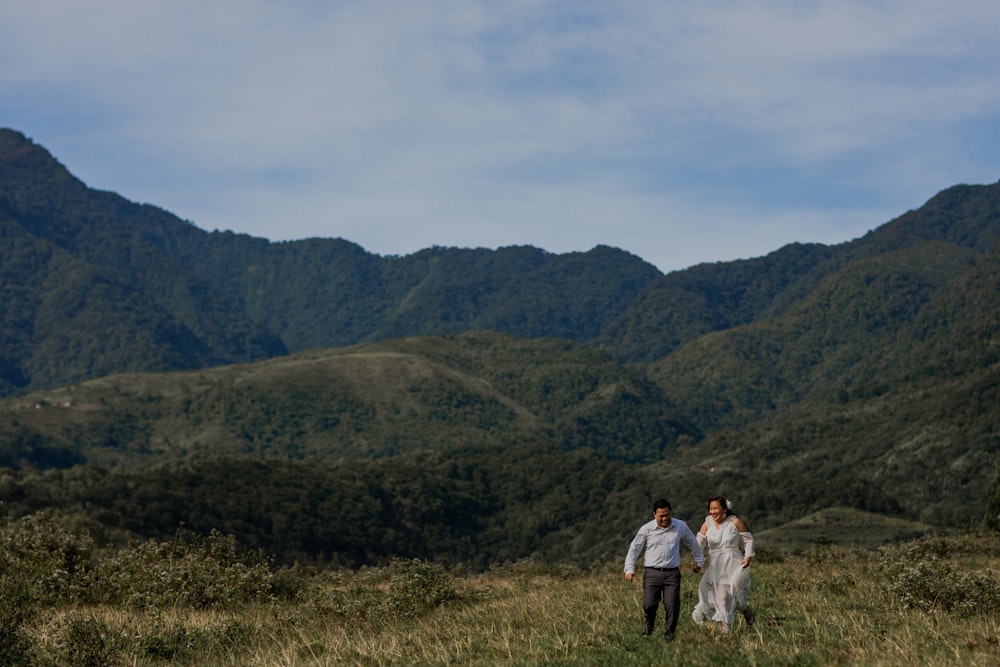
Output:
x,y
97,284
474,507
864,329
363,401
87,293
451,412
838,525
302,395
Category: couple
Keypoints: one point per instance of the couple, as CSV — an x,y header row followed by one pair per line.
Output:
x,y
725,586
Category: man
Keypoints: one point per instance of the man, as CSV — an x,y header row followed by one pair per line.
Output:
x,y
661,539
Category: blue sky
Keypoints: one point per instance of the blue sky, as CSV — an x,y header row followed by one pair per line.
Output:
x,y
681,132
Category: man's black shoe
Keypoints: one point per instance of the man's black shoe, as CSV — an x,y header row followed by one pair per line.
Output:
x,y
669,637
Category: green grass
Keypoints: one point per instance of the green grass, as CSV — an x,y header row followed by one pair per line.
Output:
x,y
829,606
841,526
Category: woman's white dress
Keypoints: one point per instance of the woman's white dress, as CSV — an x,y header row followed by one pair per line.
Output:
x,y
725,586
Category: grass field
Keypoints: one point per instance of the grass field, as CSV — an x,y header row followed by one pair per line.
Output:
x,y
934,601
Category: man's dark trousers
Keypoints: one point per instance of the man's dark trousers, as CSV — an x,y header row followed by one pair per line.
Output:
x,y
661,584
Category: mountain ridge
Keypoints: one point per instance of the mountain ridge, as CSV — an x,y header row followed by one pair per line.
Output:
x,y
230,297
861,375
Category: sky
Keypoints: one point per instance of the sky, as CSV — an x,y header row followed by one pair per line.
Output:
x,y
681,132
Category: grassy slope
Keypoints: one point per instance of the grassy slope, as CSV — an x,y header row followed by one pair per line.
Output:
x,y
842,526
372,400
830,606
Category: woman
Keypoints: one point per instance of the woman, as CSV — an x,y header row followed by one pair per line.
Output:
x,y
725,586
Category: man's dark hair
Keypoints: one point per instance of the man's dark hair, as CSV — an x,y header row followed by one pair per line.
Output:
x,y
662,504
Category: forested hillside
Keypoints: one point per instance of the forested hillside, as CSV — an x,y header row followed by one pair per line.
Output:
x,y
86,292
156,373
96,284
374,400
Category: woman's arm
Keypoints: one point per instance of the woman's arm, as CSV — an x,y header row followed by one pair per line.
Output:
x,y
701,536
748,552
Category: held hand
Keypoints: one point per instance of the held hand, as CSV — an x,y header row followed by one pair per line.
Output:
x,y
696,569
630,576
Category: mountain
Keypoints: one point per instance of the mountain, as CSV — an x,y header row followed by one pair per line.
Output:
x,y
96,284
919,309
817,381
87,291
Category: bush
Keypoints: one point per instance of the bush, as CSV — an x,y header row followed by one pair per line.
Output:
x,y
415,586
43,559
168,644
345,597
191,571
934,547
89,643
380,597
15,647
933,585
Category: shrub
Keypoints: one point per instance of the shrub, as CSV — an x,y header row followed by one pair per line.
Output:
x,y
173,642
191,571
89,643
377,597
15,647
167,643
416,586
931,547
43,559
934,585
42,563
337,596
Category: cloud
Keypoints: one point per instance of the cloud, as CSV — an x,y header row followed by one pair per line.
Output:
x,y
661,128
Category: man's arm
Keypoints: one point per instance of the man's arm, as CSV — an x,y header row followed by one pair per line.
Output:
x,y
692,543
634,549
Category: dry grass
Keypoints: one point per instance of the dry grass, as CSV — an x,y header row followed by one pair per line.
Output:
x,y
831,607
